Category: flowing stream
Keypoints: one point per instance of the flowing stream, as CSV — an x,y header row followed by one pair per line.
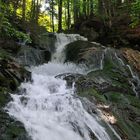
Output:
x,y
49,109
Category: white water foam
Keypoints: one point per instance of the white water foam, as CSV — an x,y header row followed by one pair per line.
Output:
x,y
50,111
62,41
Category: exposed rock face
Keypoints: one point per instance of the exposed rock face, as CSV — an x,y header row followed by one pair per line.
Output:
x,y
111,86
79,50
39,52
133,57
9,45
29,56
47,41
11,129
11,75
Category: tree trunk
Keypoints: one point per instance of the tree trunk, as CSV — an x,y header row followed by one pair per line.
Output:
x,y
88,7
15,5
84,9
91,7
23,10
37,11
52,15
75,11
69,18
59,15
33,10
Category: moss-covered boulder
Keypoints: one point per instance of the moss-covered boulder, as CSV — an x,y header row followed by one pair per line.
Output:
x,y
76,50
112,83
11,129
133,57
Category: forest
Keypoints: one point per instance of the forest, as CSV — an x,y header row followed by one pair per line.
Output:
x,y
69,69
60,15
106,18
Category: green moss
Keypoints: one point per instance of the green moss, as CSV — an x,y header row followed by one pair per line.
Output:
x,y
14,130
115,78
108,65
4,96
130,128
116,97
92,93
4,82
4,54
134,101
75,48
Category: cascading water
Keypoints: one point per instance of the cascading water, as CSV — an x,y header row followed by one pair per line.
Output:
x,y
62,41
49,109
135,77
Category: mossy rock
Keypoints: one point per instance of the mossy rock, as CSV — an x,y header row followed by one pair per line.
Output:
x,y
11,129
126,109
74,49
4,54
4,96
89,93
127,120
114,78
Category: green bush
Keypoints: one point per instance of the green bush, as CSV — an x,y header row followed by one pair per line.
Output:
x,y
135,13
7,29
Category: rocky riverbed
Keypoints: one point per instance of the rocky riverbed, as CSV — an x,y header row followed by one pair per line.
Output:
x,y
112,83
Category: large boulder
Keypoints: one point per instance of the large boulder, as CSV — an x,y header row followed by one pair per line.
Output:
x,y
12,74
112,84
133,57
29,56
79,50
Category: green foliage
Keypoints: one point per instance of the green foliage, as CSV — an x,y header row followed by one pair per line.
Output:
x,y
7,30
135,13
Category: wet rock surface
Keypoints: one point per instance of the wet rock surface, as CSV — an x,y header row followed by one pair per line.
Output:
x,y
11,75
114,84
78,50
29,56
11,129
133,57
111,83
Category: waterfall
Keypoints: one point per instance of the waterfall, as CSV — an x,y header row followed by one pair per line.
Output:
x,y
49,109
102,58
62,41
135,77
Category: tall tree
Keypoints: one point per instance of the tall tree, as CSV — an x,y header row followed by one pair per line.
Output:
x,y
59,15
91,7
15,6
75,10
37,9
33,11
84,8
23,10
52,11
69,16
